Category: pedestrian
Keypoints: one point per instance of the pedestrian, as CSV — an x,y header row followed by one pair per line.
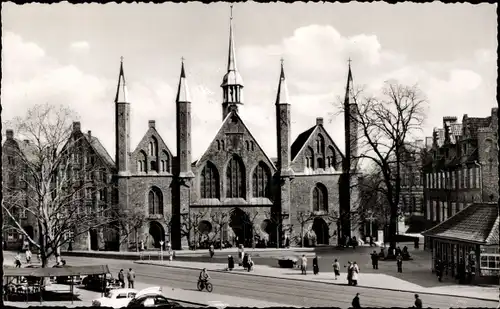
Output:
x,y
230,262
28,256
349,273
303,266
315,265
241,254
354,242
374,257
130,278
355,272
250,263
287,242
336,268
399,262
355,301
17,260
418,302
121,278
170,255
211,250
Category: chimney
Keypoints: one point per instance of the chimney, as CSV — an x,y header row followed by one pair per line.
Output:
x,y
152,124
76,126
9,134
319,121
89,133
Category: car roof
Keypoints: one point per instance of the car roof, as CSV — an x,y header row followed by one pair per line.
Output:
x,y
117,291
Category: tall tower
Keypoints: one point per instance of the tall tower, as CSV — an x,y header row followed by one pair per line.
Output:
x,y
232,83
183,172
285,173
351,154
122,131
122,122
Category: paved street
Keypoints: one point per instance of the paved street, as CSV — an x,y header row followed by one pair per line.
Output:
x,y
290,292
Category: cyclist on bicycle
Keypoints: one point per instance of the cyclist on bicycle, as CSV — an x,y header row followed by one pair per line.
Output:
x,y
204,276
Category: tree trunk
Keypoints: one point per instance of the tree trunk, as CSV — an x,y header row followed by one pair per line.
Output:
x,y
302,236
220,232
277,237
136,240
58,255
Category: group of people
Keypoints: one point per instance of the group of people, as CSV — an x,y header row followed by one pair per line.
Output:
x,y
303,265
356,302
17,258
130,278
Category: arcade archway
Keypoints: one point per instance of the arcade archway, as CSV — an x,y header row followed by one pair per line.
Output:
x,y
321,230
157,232
94,242
241,226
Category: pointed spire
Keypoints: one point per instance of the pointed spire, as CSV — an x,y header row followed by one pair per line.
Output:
x,y
231,60
121,91
183,90
282,97
349,91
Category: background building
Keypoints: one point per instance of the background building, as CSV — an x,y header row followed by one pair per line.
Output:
x,y
461,167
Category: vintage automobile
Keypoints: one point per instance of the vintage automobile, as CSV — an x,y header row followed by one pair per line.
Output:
x,y
101,283
152,297
117,298
149,297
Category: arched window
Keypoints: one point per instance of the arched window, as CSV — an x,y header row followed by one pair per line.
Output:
x,y
141,158
153,147
320,145
261,179
153,165
209,182
235,178
223,145
252,144
218,145
248,145
330,159
320,198
309,158
321,163
155,200
166,162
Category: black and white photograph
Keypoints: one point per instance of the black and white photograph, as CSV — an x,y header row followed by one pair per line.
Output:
x,y
250,154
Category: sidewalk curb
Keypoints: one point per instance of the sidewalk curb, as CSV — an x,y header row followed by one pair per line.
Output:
x,y
332,283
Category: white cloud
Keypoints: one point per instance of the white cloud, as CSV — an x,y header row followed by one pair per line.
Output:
x,y
80,46
316,68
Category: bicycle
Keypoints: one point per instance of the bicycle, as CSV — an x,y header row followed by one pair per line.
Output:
x,y
205,285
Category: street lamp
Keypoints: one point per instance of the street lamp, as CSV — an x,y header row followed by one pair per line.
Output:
x,y
161,250
370,219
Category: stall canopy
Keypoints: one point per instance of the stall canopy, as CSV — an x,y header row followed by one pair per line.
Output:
x,y
56,271
475,224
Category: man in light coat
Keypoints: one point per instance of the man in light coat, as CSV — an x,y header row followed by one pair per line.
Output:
x,y
355,272
304,264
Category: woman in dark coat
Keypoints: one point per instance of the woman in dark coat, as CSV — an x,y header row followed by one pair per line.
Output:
x,y
315,265
230,262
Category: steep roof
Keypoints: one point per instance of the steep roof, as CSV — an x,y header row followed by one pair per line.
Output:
x,y
28,149
99,149
474,224
300,141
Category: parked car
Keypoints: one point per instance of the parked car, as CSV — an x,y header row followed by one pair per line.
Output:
x,y
101,283
152,297
120,298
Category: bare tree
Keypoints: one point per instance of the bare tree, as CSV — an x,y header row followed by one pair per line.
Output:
x,y
53,181
303,217
130,223
252,214
221,219
190,225
385,124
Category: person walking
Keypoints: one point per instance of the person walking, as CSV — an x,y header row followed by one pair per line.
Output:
x,y
374,257
355,301
349,273
439,270
399,262
17,261
130,278
355,272
121,278
315,265
230,262
28,256
211,250
418,302
336,268
303,266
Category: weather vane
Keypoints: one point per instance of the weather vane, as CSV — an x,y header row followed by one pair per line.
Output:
x,y
282,60
121,59
349,60
182,59
231,6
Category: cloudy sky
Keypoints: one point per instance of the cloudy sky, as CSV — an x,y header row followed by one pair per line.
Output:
x,y
70,54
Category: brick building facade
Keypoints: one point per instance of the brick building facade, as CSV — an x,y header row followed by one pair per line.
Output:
x,y
461,167
90,162
234,176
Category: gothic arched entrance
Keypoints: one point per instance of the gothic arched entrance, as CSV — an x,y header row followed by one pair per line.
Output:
x,y
157,232
321,230
94,244
242,227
